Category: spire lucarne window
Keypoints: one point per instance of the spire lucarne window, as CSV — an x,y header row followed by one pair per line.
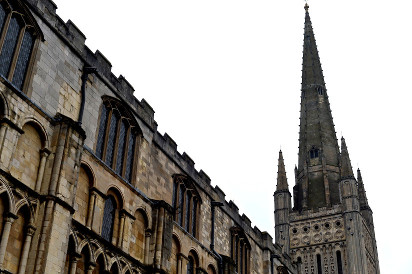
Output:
x,y
17,38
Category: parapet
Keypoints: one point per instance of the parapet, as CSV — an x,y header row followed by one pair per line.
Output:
x,y
75,39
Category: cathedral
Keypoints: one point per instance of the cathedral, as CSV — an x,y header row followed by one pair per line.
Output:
x,y
330,227
88,184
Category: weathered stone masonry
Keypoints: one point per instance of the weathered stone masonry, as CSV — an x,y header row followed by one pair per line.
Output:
x,y
87,184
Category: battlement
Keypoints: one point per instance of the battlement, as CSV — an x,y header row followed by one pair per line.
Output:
x,y
75,39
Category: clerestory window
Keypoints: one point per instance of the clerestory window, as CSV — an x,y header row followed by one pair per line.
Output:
x,y
17,38
117,138
186,201
240,250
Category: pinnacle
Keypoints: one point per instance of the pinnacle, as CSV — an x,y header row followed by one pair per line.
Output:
x,y
346,167
282,183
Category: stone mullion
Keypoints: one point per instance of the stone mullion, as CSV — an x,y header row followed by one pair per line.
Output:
x,y
5,28
116,143
126,149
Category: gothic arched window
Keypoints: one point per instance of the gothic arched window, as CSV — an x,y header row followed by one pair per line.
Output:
x,y
108,218
117,138
186,201
18,34
240,250
191,266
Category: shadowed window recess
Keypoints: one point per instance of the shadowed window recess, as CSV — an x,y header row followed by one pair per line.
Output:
x,y
118,138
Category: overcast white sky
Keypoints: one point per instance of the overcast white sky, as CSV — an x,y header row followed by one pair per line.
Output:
x,y
224,79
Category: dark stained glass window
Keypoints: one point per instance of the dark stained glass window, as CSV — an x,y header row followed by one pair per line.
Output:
x,y
23,60
187,210
194,216
117,137
102,132
240,250
19,32
112,139
241,258
9,46
191,266
130,156
186,201
121,147
2,17
174,194
108,218
181,204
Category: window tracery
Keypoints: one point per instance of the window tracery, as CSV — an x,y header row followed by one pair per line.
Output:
x,y
240,250
18,33
117,137
186,201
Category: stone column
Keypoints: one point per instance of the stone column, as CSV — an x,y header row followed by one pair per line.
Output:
x,y
90,268
148,233
5,236
91,210
44,153
26,247
73,265
120,239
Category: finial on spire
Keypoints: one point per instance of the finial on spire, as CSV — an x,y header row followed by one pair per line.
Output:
x,y
306,5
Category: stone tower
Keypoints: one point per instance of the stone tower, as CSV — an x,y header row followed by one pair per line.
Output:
x,y
330,227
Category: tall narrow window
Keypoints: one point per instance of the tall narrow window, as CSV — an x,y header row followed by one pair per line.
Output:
x,y
339,259
19,31
182,190
194,216
116,139
108,218
240,250
191,265
188,210
186,201
319,263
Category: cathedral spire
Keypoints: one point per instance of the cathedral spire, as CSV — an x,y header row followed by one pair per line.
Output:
x,y
312,70
318,164
346,167
282,182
